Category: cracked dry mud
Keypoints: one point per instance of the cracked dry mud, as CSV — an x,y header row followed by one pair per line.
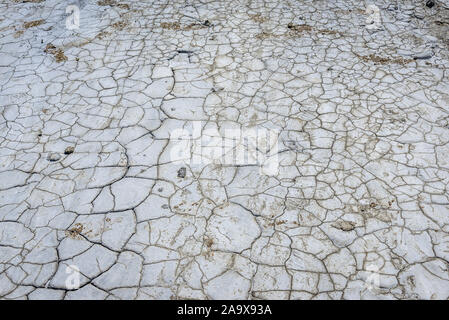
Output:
x,y
86,178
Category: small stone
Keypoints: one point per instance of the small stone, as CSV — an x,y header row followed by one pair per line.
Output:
x,y
182,172
69,150
52,157
430,3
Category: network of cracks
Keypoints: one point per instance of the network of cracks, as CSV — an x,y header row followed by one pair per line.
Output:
x,y
93,204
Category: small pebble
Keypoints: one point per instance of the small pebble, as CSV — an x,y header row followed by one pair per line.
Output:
x,y
53,157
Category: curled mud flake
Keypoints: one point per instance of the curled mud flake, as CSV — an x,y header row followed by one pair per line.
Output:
x,y
53,157
49,48
29,1
423,56
123,6
182,172
344,225
185,51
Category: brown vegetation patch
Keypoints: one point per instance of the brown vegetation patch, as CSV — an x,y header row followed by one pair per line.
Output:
x,y
209,242
383,60
75,232
120,25
113,3
171,25
107,3
296,30
178,26
102,34
348,11
18,33
258,17
327,31
299,29
35,23
58,53
263,35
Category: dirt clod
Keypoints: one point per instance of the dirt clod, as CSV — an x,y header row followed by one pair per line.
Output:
x,y
69,150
